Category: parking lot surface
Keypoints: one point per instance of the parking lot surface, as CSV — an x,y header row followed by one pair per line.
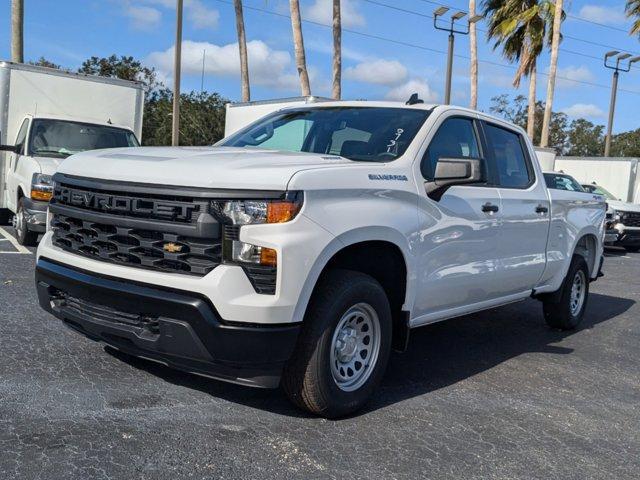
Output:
x,y
492,395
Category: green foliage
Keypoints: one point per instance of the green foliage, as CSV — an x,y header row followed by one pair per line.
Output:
x,y
632,9
585,139
43,62
126,68
626,144
201,118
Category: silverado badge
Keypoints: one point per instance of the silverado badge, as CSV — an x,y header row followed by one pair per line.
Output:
x,y
172,247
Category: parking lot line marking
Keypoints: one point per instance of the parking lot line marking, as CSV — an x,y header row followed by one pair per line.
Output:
x,y
14,242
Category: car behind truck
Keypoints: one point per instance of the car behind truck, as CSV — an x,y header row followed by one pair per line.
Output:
x,y
46,115
303,248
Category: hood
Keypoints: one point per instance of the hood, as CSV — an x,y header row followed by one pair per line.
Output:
x,y
623,206
207,167
48,165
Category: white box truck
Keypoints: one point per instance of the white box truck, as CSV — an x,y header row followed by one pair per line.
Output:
x,y
47,115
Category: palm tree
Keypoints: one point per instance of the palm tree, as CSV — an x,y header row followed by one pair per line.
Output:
x,y
521,28
17,28
298,45
553,68
473,47
242,46
337,50
633,10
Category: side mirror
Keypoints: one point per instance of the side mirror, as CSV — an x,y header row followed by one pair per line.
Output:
x,y
8,148
454,171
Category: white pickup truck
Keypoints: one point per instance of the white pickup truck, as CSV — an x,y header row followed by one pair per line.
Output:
x,y
303,248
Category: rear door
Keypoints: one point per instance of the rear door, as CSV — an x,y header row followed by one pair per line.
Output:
x,y
525,209
458,233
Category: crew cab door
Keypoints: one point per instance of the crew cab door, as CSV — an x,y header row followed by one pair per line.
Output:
x,y
525,209
458,232
13,170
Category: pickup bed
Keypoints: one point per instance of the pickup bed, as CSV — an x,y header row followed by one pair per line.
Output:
x,y
300,250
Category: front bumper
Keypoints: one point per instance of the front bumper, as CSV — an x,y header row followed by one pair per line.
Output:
x,y
621,238
35,212
177,328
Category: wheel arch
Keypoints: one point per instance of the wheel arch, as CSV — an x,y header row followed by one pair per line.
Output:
x,y
587,246
380,252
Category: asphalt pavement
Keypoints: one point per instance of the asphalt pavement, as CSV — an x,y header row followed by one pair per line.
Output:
x,y
495,395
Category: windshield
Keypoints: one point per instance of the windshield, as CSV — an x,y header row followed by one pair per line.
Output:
x,y
562,182
61,138
377,134
600,191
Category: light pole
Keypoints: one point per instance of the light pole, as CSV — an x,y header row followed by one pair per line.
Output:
x,y
175,126
451,28
619,66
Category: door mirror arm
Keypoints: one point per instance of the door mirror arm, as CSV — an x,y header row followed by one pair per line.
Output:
x,y
8,148
454,171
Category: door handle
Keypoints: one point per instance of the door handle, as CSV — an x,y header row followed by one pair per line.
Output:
x,y
489,207
541,209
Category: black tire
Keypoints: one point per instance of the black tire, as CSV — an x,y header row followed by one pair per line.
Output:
x,y
632,249
307,378
23,235
557,306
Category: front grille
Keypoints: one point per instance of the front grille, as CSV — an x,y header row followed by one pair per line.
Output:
x,y
135,247
630,219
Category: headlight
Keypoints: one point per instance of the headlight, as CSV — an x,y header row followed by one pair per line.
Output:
x,y
41,187
238,213
252,212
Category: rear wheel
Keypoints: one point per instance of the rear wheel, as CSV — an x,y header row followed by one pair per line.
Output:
x,y
343,348
5,216
23,235
565,308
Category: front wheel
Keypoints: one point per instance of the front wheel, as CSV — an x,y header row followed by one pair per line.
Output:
x,y
343,348
565,309
23,235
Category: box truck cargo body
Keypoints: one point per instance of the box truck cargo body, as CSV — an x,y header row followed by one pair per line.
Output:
x,y
45,116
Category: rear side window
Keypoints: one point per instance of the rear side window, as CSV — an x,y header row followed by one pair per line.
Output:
x,y
456,138
510,159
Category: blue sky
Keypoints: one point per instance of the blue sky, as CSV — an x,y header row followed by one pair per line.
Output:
x,y
68,31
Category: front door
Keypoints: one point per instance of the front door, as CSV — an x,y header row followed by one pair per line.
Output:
x,y
14,162
458,233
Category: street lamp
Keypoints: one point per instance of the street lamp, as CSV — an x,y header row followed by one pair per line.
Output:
x,y
614,60
450,27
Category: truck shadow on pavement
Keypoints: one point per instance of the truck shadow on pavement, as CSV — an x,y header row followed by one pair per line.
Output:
x,y
439,355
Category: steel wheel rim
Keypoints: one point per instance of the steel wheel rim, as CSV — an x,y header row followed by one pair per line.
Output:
x,y
19,219
577,293
355,347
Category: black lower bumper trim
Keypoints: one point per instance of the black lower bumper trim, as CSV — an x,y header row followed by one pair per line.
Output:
x,y
177,328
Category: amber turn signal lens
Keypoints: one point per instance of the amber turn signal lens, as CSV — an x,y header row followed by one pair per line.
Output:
x,y
281,212
269,257
41,195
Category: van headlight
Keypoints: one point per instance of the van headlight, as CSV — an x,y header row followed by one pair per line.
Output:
x,y
237,213
41,187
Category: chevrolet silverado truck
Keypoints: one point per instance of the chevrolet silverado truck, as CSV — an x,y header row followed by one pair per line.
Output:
x,y
301,249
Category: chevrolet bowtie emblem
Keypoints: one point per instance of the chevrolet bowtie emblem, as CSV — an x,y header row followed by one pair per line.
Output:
x,y
172,247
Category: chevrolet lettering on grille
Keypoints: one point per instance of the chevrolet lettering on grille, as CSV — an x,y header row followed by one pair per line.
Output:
x,y
123,204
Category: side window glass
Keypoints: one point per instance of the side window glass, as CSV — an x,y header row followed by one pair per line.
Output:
x,y
510,159
21,137
456,138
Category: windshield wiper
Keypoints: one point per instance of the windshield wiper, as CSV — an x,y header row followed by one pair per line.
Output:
x,y
44,152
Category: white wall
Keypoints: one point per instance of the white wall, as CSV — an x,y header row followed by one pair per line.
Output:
x,y
614,174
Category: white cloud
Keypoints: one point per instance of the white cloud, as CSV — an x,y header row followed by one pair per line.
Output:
x,y
145,14
404,91
570,76
322,11
382,72
273,68
143,18
609,15
584,110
